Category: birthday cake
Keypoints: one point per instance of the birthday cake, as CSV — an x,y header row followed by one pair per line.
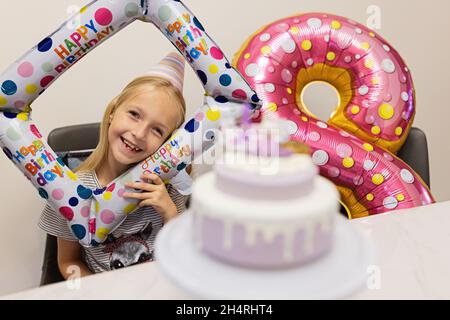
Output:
x,y
264,211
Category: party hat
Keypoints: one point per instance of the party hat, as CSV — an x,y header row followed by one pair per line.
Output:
x,y
170,68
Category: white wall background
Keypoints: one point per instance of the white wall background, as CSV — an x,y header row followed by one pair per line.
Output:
x,y
418,29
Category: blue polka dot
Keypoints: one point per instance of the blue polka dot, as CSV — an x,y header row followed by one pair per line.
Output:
x,y
94,243
9,87
210,135
192,126
99,191
221,99
79,231
202,77
255,98
43,193
45,45
225,80
73,201
8,153
181,166
83,192
254,106
10,115
228,65
198,24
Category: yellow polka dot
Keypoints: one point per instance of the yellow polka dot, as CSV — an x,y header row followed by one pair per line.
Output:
x,y
71,175
213,114
372,34
306,45
247,56
377,179
368,63
3,101
355,110
370,197
272,107
375,80
22,116
83,9
31,89
289,90
304,119
129,207
102,233
348,162
386,111
107,195
398,131
376,130
336,25
365,46
400,197
295,30
331,56
266,50
368,147
213,68
97,207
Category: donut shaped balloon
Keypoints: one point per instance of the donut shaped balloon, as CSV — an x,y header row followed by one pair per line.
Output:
x,y
356,147
92,215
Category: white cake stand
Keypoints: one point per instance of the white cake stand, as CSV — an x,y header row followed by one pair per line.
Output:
x,y
339,274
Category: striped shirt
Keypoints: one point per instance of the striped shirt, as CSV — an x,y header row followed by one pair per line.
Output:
x,y
131,243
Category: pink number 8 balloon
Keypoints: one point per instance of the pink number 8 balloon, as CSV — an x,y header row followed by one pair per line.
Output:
x,y
355,149
33,73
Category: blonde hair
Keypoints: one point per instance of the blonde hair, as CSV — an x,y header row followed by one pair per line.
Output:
x,y
100,154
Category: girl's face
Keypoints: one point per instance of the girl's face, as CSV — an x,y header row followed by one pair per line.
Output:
x,y
140,125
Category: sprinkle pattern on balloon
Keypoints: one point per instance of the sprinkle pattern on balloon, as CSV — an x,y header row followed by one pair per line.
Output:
x,y
375,114
93,214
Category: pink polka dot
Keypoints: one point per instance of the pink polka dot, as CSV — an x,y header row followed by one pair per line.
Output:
x,y
67,213
216,53
314,136
107,216
334,172
344,150
103,16
111,187
58,194
85,211
358,180
388,157
370,119
46,80
239,94
25,70
199,116
92,225
19,104
286,75
121,192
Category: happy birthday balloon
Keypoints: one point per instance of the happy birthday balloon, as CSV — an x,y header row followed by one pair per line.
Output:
x,y
92,215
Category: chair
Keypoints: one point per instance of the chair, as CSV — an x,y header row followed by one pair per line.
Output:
x,y
85,137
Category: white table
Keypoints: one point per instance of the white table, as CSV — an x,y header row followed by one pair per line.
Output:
x,y
413,262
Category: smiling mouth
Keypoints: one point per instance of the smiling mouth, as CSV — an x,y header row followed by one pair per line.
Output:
x,y
129,145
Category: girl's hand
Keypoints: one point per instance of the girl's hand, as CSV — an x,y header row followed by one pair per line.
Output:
x,y
153,194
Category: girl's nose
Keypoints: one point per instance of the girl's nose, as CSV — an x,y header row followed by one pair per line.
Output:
x,y
140,132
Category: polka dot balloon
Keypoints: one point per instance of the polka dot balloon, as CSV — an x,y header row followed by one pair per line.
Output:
x,y
356,147
93,214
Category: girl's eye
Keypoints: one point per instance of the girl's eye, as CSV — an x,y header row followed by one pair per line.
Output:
x,y
134,114
159,131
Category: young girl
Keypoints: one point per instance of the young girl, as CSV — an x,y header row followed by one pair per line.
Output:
x,y
135,124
